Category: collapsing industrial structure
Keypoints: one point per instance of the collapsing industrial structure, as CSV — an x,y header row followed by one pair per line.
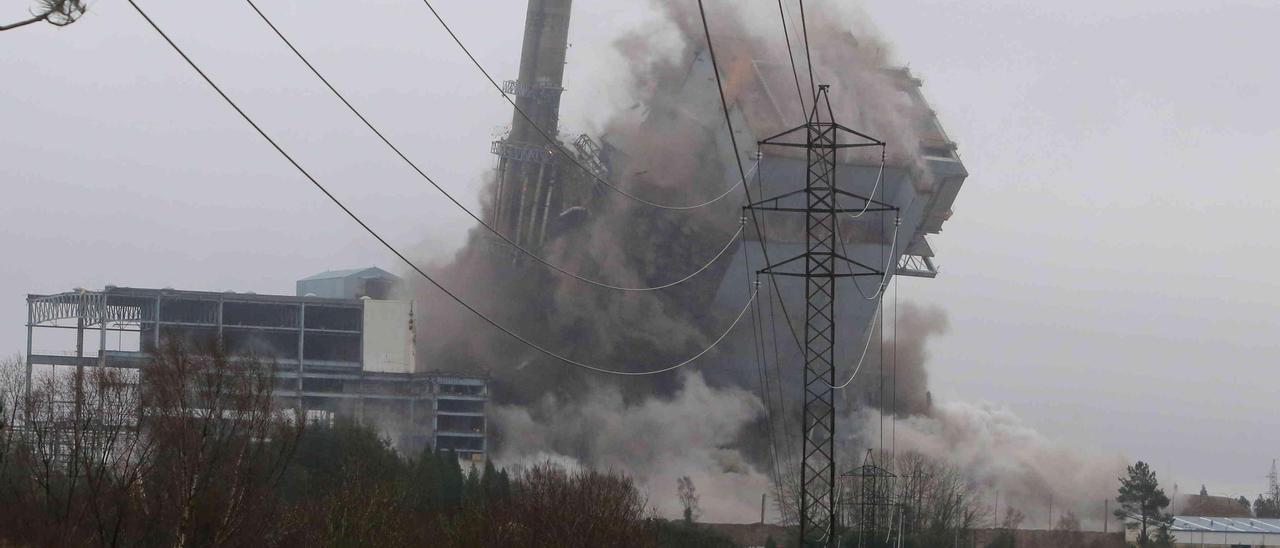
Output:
x,y
342,346
533,181
881,211
339,347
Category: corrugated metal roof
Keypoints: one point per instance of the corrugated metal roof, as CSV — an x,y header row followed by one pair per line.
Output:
x,y
332,274
1226,525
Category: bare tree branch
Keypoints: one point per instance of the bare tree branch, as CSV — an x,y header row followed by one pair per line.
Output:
x,y
58,13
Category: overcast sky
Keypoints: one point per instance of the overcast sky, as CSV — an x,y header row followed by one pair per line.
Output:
x,y
1107,273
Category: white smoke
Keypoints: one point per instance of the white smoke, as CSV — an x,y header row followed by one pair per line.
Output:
x,y
656,441
1008,458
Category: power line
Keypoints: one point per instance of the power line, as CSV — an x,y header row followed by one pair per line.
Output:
x,y
400,255
893,436
733,140
782,17
879,305
455,201
773,328
762,371
879,177
808,59
777,373
858,367
554,142
884,277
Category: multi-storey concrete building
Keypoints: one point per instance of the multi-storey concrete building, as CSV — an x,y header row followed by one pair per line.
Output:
x,y
339,348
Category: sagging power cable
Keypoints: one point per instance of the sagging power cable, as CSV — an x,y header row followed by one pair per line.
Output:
x,y
866,345
458,203
867,203
888,264
555,143
405,259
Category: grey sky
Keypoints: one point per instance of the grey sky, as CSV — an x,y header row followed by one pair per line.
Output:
x,y
1107,273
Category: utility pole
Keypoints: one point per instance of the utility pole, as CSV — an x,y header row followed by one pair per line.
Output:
x,y
762,495
1274,484
819,206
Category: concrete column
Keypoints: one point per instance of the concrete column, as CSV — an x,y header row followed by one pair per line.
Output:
x,y
302,329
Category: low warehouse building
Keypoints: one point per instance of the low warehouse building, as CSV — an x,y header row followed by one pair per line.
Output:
x,y
1195,531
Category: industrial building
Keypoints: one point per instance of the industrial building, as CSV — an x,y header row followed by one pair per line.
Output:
x,y
340,347
542,190
1196,531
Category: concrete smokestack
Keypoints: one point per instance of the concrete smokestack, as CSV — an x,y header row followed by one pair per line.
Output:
x,y
527,191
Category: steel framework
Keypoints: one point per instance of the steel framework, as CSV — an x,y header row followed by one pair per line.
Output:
x,y
868,498
822,142
315,346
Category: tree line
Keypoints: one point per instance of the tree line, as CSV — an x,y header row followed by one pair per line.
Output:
x,y
193,450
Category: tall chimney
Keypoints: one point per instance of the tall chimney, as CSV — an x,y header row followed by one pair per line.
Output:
x,y
527,190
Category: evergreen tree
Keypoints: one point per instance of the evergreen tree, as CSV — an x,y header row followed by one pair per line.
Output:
x,y
472,495
489,482
423,492
503,485
1163,538
452,481
1142,502
1264,507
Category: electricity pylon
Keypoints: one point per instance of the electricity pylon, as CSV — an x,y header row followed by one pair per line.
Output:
x,y
820,207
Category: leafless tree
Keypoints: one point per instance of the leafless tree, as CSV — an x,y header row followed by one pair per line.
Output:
x,y
786,496
936,501
74,456
1013,519
360,512
58,13
12,382
551,506
222,444
688,495
1066,533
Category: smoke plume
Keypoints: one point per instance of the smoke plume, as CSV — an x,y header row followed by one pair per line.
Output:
x,y
708,422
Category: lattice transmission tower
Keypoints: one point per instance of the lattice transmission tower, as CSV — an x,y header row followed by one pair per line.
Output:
x,y
819,202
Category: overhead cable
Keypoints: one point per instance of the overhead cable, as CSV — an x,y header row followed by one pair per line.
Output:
x,y
405,259
555,143
888,265
808,58
458,203
867,202
733,141
762,370
782,16
871,331
773,327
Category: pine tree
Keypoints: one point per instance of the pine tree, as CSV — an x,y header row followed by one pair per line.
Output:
x,y
452,481
472,495
1142,502
423,492
489,482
